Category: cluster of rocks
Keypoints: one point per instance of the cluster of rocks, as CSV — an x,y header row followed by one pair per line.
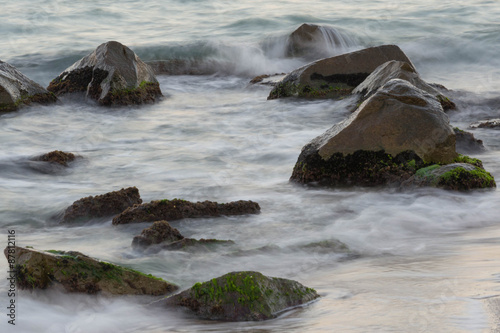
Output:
x,y
110,75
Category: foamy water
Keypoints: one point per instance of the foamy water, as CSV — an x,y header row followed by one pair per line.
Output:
x,y
422,260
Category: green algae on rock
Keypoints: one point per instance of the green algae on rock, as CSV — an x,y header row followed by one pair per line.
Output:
x,y
242,296
112,75
103,205
76,272
17,90
176,209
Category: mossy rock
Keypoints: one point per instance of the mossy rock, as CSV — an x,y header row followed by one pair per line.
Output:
x,y
76,272
455,176
242,296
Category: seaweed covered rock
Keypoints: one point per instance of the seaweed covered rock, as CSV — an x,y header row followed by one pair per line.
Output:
x,y
390,135
103,205
162,236
56,156
398,70
112,75
313,41
76,272
242,296
466,142
177,209
454,176
492,123
16,90
336,76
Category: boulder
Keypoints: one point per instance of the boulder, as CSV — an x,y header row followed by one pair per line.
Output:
x,y
56,156
76,272
398,70
314,41
336,76
492,123
454,176
112,75
103,205
16,90
159,232
466,142
242,296
161,236
392,133
176,209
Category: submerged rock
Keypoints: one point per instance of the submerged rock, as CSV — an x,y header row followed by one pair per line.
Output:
x,y
337,76
56,156
159,232
466,142
103,205
176,209
16,90
161,236
314,41
398,70
242,296
184,67
112,75
76,272
392,134
455,176
492,123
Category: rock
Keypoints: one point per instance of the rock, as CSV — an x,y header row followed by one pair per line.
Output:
x,y
398,70
326,246
76,272
159,232
198,245
242,296
16,90
103,205
112,75
400,124
337,76
267,79
492,123
314,41
161,236
466,142
176,209
455,176
56,156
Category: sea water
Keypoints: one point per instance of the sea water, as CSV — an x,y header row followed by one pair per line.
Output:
x,y
424,260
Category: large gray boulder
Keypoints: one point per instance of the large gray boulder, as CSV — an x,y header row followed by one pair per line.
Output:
x,y
16,90
398,70
399,123
337,76
112,75
242,296
76,272
314,41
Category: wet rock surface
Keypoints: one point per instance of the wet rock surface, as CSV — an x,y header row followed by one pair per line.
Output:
x,y
492,123
242,296
466,143
103,205
176,209
112,75
17,90
76,272
336,76
399,70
